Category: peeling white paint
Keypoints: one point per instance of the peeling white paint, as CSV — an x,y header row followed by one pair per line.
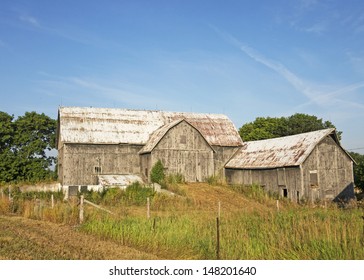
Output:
x,y
114,126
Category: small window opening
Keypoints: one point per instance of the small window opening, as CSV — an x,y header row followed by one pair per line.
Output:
x,y
98,169
285,193
313,178
298,197
182,139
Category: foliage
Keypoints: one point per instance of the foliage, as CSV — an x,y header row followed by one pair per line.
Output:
x,y
134,194
358,170
24,143
157,173
267,127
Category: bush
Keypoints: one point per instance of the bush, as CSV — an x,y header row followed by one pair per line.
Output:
x,y
157,173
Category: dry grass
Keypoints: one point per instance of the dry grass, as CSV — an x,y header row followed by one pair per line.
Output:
x,y
25,239
184,226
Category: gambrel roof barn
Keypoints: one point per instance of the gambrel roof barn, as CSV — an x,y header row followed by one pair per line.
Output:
x,y
95,141
101,145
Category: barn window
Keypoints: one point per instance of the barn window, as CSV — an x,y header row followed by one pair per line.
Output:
x,y
313,178
285,193
98,169
298,197
182,139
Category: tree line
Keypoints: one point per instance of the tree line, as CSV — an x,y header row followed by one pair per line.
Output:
x,y
25,143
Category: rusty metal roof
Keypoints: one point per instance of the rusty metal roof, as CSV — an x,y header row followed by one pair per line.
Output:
x,y
278,152
159,133
118,180
114,126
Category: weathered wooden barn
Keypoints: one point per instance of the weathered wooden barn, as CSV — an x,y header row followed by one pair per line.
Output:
x,y
311,166
94,142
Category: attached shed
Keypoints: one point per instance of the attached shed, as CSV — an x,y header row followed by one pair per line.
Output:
x,y
310,166
103,141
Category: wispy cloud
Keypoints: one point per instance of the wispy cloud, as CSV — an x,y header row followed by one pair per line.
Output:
x,y
317,28
312,91
30,20
84,90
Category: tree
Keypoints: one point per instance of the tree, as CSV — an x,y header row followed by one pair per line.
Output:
x,y
23,147
6,131
358,170
157,173
266,128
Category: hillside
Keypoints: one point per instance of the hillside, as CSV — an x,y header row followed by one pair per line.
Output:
x,y
182,226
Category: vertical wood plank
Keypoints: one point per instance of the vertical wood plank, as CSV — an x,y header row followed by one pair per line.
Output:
x,y
81,209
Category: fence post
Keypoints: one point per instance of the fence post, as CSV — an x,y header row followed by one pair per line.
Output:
x,y
81,209
52,200
148,208
277,205
9,193
217,238
219,210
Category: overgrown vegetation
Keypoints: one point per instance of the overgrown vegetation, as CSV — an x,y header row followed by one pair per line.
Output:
x,y
184,227
157,174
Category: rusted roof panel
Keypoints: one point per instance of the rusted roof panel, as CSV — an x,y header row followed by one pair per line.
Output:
x,y
278,152
113,126
118,180
159,133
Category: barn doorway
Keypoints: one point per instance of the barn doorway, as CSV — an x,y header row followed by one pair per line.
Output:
x,y
285,193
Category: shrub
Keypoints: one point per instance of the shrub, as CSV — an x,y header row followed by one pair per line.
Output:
x,y
157,173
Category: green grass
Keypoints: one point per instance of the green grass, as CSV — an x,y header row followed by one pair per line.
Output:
x,y
183,227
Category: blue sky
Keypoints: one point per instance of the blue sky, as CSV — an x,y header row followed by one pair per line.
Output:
x,y
242,58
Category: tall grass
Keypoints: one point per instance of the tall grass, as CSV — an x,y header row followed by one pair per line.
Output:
x,y
304,234
180,228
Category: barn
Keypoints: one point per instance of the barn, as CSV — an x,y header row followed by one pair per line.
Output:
x,y
311,166
98,143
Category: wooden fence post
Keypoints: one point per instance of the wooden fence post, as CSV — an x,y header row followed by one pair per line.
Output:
x,y
81,209
219,210
52,200
277,205
9,193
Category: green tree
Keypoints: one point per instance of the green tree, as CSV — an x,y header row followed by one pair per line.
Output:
x,y
23,147
266,128
157,173
358,170
6,131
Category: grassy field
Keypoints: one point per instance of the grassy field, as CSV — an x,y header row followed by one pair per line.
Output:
x,y
184,226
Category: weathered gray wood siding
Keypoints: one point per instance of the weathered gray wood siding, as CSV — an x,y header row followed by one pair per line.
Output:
x,y
145,166
60,164
221,156
283,181
81,163
326,174
183,150
334,171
